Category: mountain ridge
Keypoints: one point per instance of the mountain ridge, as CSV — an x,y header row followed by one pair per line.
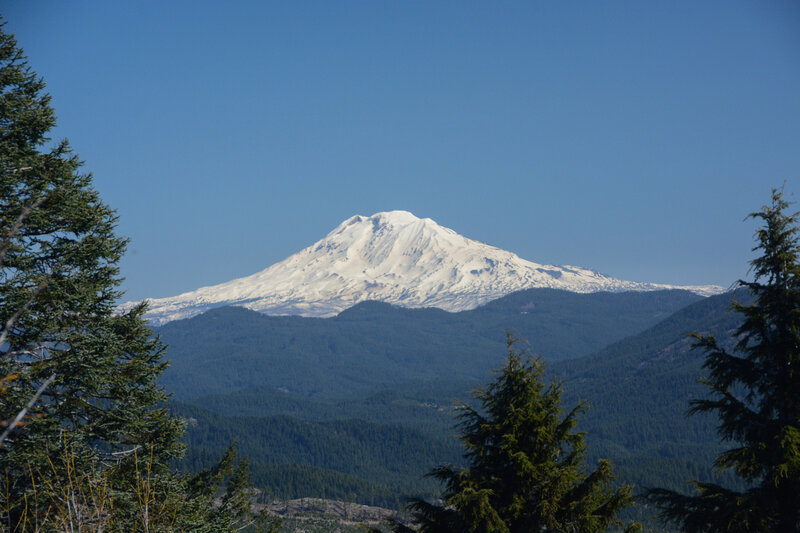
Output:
x,y
375,343
638,385
393,257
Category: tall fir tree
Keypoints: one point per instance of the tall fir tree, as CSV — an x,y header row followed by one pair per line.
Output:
x,y
525,468
78,380
86,440
755,392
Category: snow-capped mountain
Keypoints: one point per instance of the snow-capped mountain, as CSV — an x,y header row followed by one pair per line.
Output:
x,y
393,257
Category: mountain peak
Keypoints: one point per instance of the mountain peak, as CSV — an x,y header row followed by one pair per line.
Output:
x,y
385,220
393,219
393,257
396,217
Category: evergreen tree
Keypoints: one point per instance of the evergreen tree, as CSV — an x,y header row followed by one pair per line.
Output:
x,y
86,440
234,512
78,380
755,391
525,464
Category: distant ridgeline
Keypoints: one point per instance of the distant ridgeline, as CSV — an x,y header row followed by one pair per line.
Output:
x,y
361,405
374,345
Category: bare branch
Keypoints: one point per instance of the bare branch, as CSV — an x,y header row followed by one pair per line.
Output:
x,y
30,353
14,423
125,453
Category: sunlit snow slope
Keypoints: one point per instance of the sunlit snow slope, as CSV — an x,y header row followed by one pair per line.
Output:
x,y
393,257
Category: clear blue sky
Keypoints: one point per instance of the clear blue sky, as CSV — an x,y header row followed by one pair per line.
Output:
x,y
627,137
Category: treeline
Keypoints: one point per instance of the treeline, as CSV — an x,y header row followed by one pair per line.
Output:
x,y
362,459
292,481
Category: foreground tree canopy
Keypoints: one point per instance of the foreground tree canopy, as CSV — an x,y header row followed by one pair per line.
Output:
x,y
525,464
94,372
85,439
755,392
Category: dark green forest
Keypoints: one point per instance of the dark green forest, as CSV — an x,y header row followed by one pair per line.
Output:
x,y
375,344
638,388
376,464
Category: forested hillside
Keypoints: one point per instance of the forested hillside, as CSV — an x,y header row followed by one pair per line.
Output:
x,y
347,459
374,345
638,387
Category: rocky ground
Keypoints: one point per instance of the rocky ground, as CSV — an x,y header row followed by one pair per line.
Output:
x,y
311,515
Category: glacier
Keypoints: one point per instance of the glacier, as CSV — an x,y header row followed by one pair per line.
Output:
x,y
393,257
